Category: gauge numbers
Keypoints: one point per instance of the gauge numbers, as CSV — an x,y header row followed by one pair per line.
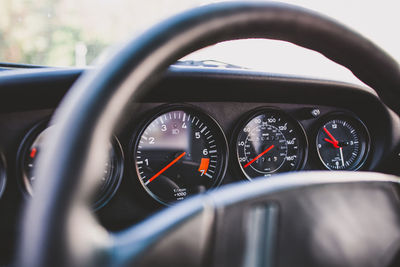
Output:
x,y
181,152
342,143
270,142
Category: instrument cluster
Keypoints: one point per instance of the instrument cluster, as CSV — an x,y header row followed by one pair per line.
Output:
x,y
179,150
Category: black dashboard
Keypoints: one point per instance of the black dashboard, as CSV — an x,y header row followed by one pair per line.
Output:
x,y
310,124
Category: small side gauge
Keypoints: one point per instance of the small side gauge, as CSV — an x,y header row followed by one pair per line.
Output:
x,y
270,142
342,142
179,152
109,181
2,175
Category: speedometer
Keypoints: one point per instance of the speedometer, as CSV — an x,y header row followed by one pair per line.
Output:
x,y
178,153
270,141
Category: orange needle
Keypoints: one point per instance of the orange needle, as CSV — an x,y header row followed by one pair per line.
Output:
x,y
329,141
334,142
165,168
260,155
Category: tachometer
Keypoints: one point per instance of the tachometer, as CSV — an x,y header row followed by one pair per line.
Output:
x,y
270,141
342,142
179,152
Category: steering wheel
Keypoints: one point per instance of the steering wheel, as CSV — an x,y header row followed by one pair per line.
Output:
x,y
299,219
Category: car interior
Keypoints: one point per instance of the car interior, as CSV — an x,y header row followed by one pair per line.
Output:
x,y
147,161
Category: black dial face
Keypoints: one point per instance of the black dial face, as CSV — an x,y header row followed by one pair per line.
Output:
x,y
111,173
342,143
270,142
180,152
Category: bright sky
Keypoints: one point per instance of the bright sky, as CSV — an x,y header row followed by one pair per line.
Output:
x,y
377,20
40,32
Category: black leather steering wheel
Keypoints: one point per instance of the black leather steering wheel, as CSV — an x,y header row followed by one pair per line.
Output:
x,y
302,219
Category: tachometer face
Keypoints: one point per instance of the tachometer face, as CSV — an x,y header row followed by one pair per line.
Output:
x,y
180,152
342,143
270,142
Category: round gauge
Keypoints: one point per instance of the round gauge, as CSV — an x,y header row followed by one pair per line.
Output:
x,y
178,153
342,142
269,142
108,182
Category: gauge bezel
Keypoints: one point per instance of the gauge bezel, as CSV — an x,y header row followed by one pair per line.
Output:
x,y
250,115
346,115
105,195
154,114
3,174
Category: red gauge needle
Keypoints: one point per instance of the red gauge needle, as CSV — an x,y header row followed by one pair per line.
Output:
x,y
333,140
165,168
33,152
260,155
330,141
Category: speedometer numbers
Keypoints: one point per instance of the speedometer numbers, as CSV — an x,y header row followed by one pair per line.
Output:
x,y
270,141
180,152
342,142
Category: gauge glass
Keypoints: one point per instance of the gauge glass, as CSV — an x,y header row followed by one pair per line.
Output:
x,y
269,142
109,180
342,143
179,153
2,175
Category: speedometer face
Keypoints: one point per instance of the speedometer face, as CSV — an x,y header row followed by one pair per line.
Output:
x,y
270,142
180,152
342,143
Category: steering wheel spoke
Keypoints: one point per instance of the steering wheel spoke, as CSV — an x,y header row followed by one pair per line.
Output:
x,y
318,220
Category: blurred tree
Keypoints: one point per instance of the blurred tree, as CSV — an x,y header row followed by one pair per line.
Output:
x,y
48,32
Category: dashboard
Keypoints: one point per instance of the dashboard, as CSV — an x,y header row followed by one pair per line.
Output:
x,y
196,130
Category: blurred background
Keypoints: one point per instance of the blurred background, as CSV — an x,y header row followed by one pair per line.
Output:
x,y
77,32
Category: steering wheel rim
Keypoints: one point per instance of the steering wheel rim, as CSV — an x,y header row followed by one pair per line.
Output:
x,y
92,109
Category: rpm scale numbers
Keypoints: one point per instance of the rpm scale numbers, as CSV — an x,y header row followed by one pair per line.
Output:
x,y
270,142
179,153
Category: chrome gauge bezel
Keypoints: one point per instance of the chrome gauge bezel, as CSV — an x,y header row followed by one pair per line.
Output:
x,y
101,198
3,174
347,116
154,114
249,116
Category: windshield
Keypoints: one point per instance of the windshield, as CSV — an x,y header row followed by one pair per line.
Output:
x,y
76,32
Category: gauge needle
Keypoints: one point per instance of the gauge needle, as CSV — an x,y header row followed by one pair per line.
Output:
x,y
165,168
260,155
330,141
33,152
333,140
341,155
